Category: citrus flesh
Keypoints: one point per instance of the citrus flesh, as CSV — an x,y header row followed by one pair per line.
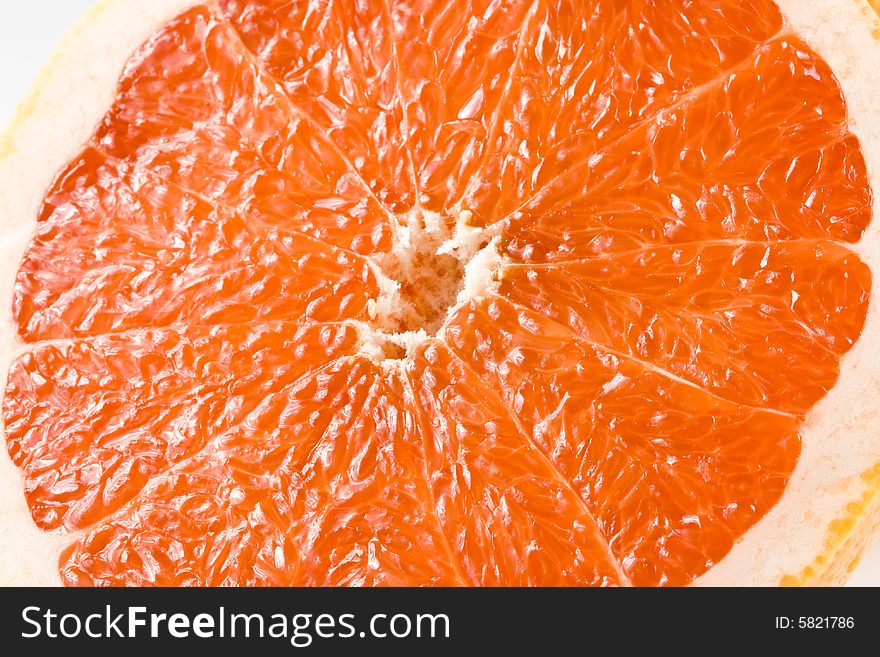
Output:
x,y
668,190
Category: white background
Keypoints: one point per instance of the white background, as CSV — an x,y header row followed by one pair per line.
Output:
x,y
28,33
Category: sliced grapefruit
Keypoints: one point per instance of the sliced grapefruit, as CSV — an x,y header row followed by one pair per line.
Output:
x,y
414,292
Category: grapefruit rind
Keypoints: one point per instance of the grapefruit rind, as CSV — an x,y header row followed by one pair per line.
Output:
x,y
831,508
848,537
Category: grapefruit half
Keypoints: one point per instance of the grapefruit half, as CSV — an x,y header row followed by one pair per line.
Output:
x,y
414,292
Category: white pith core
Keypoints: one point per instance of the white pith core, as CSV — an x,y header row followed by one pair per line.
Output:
x,y
434,267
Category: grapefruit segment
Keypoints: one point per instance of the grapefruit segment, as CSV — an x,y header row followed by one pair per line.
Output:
x,y
508,516
758,324
649,455
132,405
593,72
819,194
196,527
366,518
230,134
456,62
336,62
738,160
300,493
170,257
